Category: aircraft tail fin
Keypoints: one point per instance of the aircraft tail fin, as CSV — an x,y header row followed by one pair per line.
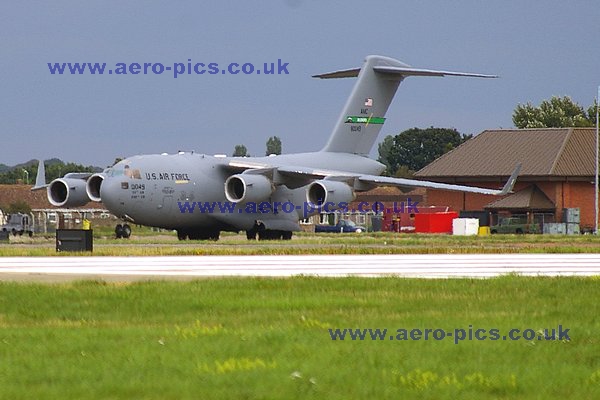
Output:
x,y
363,115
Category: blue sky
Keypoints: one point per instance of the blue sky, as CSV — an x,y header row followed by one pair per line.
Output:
x,y
539,49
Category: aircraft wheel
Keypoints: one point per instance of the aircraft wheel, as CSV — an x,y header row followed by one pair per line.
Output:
x,y
260,229
20,233
269,234
209,235
194,235
264,235
287,235
251,234
126,231
14,232
203,235
30,233
181,235
119,231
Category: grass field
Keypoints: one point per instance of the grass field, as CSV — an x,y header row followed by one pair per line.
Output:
x,y
153,243
269,338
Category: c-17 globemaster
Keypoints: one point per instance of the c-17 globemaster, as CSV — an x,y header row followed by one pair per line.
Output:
x,y
151,189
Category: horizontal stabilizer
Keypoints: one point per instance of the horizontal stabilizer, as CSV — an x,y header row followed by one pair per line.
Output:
x,y
408,71
345,73
400,72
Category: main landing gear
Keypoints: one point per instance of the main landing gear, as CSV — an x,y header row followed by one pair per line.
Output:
x,y
267,234
198,234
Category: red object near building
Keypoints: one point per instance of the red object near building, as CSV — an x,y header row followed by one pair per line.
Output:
x,y
440,222
400,221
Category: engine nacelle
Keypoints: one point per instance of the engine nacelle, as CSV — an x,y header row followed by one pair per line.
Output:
x,y
321,192
67,192
92,188
243,188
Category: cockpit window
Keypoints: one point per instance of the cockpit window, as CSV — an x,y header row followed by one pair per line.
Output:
x,y
121,169
117,170
132,173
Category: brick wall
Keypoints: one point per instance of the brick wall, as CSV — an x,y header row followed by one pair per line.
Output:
x,y
563,194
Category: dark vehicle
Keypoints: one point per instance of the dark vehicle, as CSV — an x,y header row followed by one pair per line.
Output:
x,y
341,227
515,225
18,224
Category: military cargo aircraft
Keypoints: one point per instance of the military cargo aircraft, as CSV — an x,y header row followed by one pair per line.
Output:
x,y
264,196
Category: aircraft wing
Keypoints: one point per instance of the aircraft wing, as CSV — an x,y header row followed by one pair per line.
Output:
x,y
412,183
370,180
40,180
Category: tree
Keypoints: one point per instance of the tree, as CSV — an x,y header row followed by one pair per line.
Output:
x,y
273,146
240,151
18,206
414,148
384,148
591,113
558,112
17,173
404,172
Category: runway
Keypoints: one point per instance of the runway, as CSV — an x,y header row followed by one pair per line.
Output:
x,y
63,268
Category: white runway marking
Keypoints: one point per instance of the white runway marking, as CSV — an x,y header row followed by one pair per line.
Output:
x,y
419,266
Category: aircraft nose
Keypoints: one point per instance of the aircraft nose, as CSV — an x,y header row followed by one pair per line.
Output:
x,y
110,193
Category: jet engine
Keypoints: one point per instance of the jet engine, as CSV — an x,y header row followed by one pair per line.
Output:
x,y
67,192
243,188
93,185
321,192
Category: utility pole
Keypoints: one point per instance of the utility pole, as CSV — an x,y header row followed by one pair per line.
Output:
x,y
596,167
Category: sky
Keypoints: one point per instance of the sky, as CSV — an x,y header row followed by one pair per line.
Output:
x,y
539,49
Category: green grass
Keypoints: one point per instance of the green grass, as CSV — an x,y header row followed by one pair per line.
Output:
x,y
372,243
268,338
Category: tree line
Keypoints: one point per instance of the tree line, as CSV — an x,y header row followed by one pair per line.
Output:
x,y
26,173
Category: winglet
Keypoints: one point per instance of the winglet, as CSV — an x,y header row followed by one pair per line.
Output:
x,y
510,183
40,179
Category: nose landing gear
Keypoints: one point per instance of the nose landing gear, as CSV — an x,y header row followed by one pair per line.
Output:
x,y
122,231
